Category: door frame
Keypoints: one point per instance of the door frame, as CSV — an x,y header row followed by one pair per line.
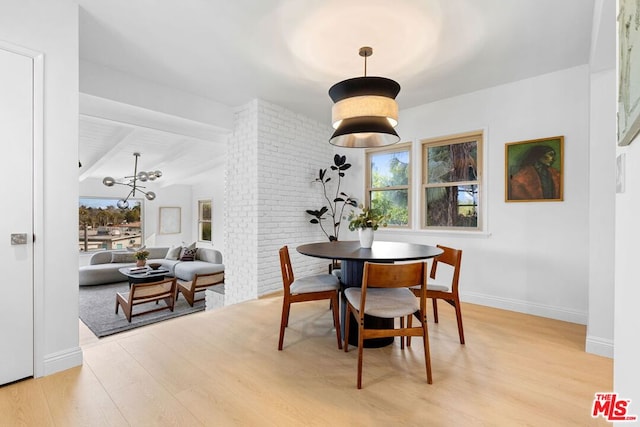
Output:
x,y
38,201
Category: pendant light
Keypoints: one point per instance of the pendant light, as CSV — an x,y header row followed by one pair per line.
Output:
x,y
365,110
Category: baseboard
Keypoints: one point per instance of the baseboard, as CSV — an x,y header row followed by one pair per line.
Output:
x,y
62,360
599,346
552,312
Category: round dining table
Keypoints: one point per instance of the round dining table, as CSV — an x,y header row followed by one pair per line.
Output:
x,y
352,258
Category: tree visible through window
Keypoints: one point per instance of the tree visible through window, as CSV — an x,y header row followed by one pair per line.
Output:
x,y
204,220
451,182
388,182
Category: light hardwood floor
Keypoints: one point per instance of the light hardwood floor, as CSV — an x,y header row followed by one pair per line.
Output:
x,y
222,368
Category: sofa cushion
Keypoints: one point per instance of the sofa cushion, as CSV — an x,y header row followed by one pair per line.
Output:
x,y
123,257
173,253
99,274
187,270
188,254
157,253
102,257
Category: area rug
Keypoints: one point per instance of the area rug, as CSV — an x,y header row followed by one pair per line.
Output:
x,y
98,305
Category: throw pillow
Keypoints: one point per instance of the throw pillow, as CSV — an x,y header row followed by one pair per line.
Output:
x,y
173,253
123,257
188,254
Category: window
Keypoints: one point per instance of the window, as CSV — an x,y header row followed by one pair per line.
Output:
x,y
204,220
102,225
451,182
388,182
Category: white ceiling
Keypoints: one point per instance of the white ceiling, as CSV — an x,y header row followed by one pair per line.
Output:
x,y
290,52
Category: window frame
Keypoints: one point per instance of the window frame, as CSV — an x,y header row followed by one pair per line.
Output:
x,y
202,221
478,137
403,146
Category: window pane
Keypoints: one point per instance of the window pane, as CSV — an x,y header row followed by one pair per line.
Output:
x,y
454,206
394,203
205,211
205,231
453,162
102,225
389,169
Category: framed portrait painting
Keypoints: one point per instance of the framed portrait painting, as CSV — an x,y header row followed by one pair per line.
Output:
x,y
534,170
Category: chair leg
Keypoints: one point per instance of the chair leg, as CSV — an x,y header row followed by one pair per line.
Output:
x,y
286,306
336,320
427,351
402,337
360,353
434,302
459,318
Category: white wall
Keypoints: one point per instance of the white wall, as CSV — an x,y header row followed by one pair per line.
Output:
x,y
211,189
602,183
52,29
535,257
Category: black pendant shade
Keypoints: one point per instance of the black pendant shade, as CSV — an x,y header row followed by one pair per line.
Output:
x,y
364,111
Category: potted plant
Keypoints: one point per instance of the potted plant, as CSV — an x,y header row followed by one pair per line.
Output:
x,y
366,222
141,256
335,206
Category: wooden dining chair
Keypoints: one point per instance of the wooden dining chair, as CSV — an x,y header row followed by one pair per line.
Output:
x,y
308,288
447,292
142,293
199,283
386,293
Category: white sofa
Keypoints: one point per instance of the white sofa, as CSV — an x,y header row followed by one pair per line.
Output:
x,y
103,266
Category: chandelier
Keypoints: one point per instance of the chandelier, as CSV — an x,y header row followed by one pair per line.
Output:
x,y
132,182
365,111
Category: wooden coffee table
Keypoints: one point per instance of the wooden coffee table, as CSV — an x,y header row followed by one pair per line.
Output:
x,y
143,275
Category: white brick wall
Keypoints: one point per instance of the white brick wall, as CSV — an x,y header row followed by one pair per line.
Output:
x,y
273,158
241,207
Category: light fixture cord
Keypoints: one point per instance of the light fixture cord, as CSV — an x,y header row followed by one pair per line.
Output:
x,y
135,175
365,65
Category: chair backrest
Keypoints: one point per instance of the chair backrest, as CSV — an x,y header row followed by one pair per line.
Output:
x,y
407,275
451,257
154,290
287,270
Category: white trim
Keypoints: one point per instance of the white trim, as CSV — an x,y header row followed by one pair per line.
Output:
x,y
549,311
599,346
62,360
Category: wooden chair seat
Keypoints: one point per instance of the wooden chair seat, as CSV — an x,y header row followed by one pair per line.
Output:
x,y
199,283
142,293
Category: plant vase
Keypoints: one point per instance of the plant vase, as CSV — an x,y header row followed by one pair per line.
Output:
x,y
141,262
366,237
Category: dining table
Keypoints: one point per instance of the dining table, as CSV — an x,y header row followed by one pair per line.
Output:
x,y
352,258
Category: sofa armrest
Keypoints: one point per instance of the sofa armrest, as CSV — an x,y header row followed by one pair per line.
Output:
x,y
102,257
209,255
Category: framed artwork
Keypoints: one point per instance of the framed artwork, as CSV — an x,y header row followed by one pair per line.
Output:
x,y
169,220
534,171
629,71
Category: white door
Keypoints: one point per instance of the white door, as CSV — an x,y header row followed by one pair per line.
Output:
x,y
16,219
